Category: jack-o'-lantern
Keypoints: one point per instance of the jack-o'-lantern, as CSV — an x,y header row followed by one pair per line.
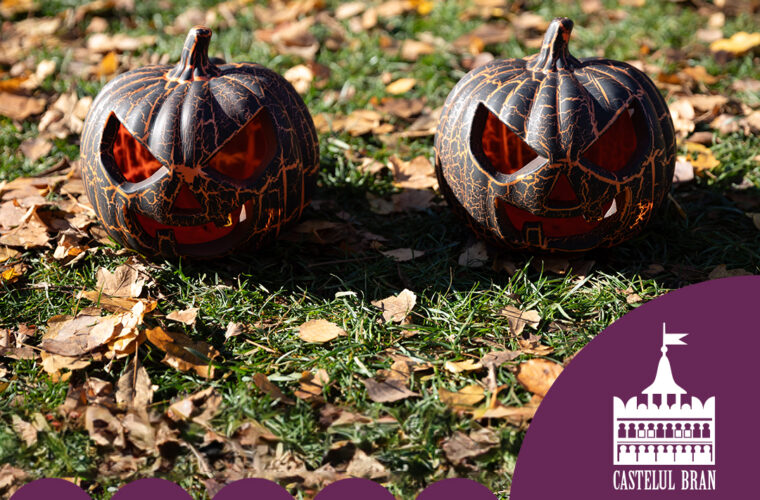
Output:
x,y
198,159
555,154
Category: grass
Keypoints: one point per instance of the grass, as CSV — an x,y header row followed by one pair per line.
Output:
x,y
286,284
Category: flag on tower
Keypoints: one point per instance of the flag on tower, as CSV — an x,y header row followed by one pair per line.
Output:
x,y
672,338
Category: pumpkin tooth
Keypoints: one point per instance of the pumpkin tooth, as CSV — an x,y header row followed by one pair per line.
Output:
x,y
612,210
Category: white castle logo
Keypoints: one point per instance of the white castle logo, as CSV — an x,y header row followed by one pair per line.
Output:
x,y
664,431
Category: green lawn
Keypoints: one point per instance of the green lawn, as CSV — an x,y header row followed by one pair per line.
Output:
x,y
703,224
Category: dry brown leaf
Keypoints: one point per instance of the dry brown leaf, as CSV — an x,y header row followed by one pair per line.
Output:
x,y
186,316
682,113
518,319
364,466
311,386
35,148
400,107
7,253
253,433
514,414
403,254
401,86
31,233
415,174
319,331
233,330
134,389
538,375
387,391
411,50
11,479
103,43
268,387
475,254
463,399
25,430
17,107
684,171
738,44
533,345
397,307
53,363
460,446
116,304
125,281
103,427
301,77
199,407
722,271
467,365
498,358
183,353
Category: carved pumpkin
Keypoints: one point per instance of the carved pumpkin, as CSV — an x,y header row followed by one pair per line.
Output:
x,y
198,159
553,153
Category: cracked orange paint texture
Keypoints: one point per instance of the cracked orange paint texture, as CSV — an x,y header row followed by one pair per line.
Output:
x,y
553,153
198,159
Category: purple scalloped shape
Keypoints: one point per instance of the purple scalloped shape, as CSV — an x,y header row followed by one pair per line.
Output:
x,y
456,489
254,489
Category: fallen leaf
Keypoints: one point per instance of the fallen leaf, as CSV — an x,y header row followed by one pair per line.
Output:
x,y
415,174
301,77
397,307
464,398
101,42
199,407
411,50
124,281
35,148
518,319
514,414
7,253
17,107
186,316
108,65
387,391
349,9
401,86
474,255
738,44
538,375
498,358
268,387
403,254
183,353
701,157
397,106
722,271
319,331
684,171
11,479
311,386
460,446
103,427
233,330
364,466
253,433
53,363
25,430
134,389
466,365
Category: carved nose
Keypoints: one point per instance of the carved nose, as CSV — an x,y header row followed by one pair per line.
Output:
x,y
186,200
562,194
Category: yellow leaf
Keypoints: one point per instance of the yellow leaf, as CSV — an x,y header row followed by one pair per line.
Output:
x,y
11,274
700,157
740,43
468,396
108,65
538,375
401,86
7,253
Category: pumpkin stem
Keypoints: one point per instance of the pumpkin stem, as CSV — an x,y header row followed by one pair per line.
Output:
x,y
554,54
194,63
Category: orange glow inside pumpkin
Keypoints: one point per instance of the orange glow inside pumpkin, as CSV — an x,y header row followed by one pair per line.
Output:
x,y
134,160
552,227
612,150
504,149
249,151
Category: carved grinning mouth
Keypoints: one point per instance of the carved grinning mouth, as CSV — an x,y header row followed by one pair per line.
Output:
x,y
199,233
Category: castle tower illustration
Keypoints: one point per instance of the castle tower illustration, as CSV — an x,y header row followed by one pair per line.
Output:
x,y
669,429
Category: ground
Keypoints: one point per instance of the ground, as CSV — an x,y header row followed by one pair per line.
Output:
x,y
335,270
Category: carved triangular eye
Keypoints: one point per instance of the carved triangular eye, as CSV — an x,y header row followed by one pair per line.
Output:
x,y
505,151
249,152
133,160
615,147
